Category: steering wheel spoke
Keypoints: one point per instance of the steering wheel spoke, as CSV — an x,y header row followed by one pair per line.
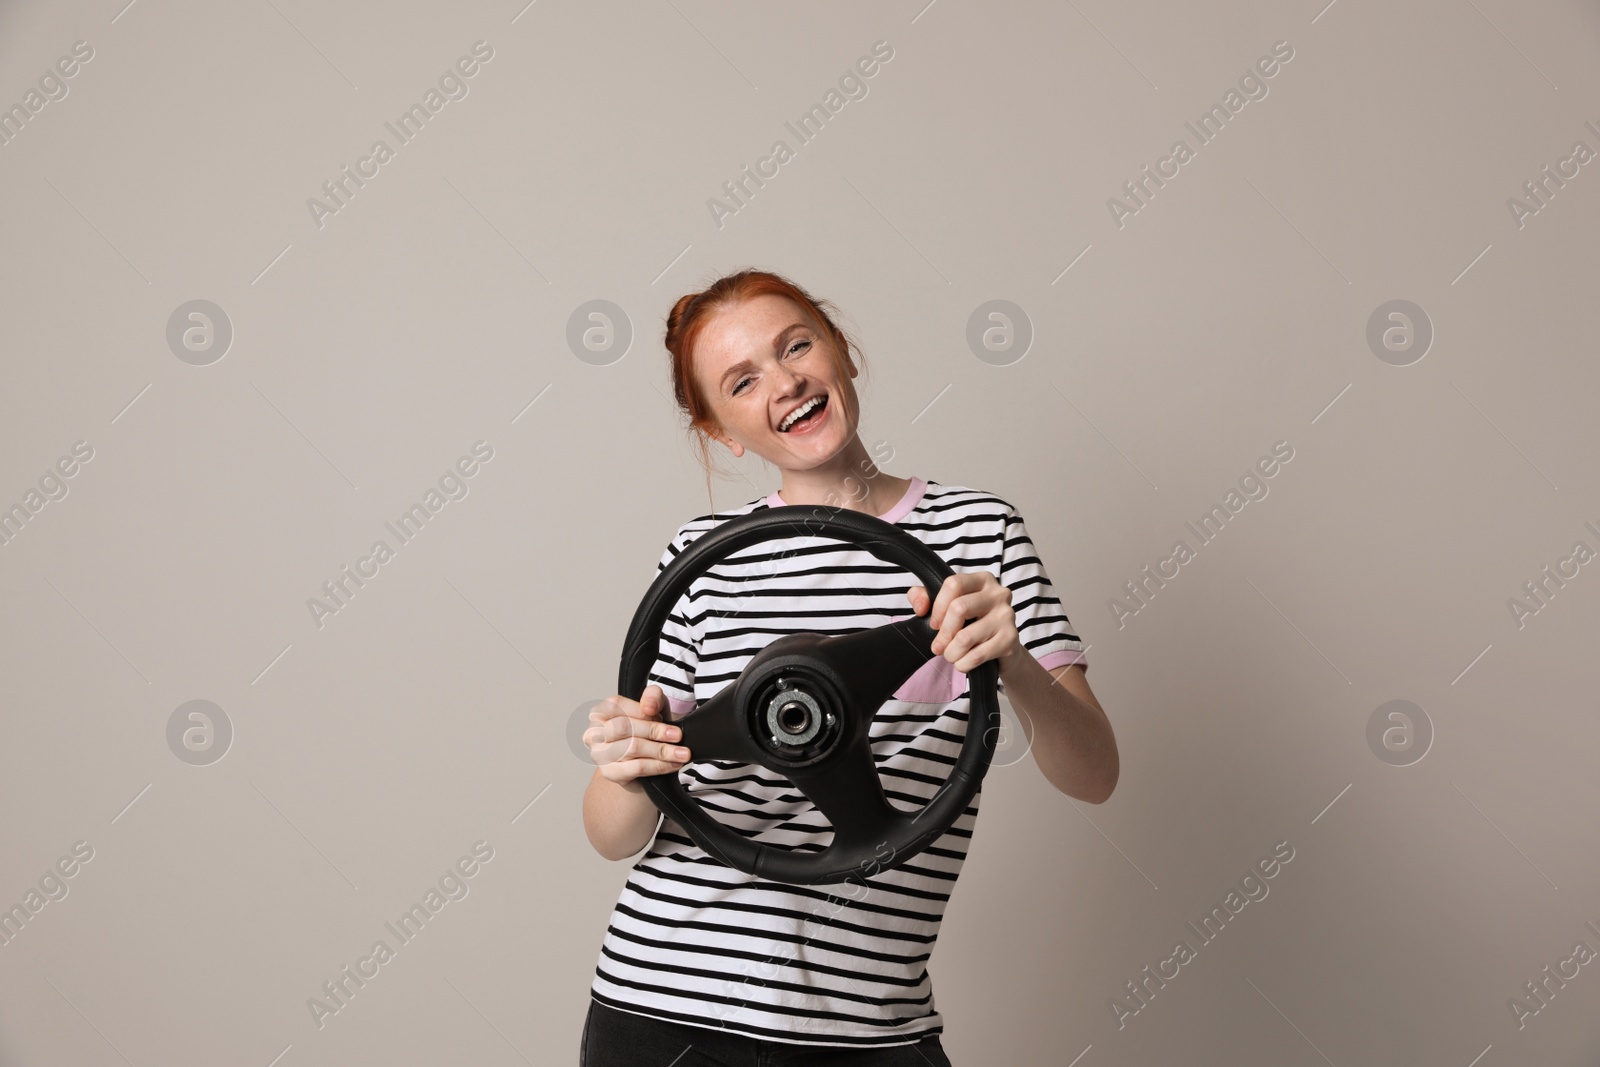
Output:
x,y
874,663
712,731
848,791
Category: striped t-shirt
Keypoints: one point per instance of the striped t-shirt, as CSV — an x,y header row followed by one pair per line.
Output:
x,y
696,942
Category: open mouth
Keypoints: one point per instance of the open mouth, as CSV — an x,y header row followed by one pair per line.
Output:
x,y
812,412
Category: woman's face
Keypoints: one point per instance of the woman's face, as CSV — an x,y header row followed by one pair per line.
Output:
x,y
761,360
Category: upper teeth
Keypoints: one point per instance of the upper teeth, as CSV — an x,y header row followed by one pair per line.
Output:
x,y
799,412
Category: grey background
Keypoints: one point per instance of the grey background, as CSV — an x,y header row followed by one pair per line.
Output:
x,y
368,355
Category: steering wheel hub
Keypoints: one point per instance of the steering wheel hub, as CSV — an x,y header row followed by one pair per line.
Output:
x,y
794,717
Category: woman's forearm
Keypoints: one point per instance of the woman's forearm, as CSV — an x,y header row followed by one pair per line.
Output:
x,y
619,819
1071,739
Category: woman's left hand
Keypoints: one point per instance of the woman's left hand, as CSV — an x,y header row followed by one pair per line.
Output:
x,y
978,596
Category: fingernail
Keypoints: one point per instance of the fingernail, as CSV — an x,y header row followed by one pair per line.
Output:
x,y
680,754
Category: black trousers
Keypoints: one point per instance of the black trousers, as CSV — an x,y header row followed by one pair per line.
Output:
x,y
613,1038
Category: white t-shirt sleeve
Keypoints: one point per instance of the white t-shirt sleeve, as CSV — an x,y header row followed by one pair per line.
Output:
x,y
679,651
1042,622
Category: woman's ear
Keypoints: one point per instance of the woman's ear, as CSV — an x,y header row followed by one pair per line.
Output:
x,y
727,442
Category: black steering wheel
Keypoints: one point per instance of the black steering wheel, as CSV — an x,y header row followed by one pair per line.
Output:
x,y
803,707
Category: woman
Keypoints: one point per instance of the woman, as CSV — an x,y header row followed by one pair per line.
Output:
x,y
703,964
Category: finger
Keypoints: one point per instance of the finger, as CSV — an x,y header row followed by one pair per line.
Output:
x,y
980,595
648,706
606,740
988,650
955,617
615,750
1003,640
603,753
643,748
918,596
651,729
605,747
952,587
648,722
633,709
970,636
936,610
628,770
997,627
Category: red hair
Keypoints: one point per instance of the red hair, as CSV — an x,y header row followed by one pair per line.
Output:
x,y
690,315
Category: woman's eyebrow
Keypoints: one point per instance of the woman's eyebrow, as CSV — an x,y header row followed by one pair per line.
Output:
x,y
738,368
777,342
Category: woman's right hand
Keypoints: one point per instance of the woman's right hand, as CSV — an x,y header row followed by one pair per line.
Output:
x,y
628,739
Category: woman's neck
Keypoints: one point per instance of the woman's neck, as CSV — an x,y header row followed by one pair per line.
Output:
x,y
849,480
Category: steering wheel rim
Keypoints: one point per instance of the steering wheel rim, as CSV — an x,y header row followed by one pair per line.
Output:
x,y
828,689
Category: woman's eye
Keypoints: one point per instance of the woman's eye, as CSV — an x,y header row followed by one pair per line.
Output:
x,y
739,385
